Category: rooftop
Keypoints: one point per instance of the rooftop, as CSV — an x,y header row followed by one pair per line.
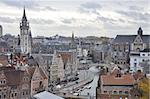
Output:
x,y
109,80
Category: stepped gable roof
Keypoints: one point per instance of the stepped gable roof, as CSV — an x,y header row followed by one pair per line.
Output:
x,y
43,74
66,56
31,71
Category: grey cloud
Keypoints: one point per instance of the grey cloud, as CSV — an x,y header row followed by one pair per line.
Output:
x,y
31,4
105,19
68,21
121,20
135,8
91,5
7,19
41,21
136,15
50,8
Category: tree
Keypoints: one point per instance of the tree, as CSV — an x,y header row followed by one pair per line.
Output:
x,y
144,86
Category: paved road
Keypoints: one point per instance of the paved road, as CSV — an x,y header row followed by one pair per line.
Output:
x,y
92,91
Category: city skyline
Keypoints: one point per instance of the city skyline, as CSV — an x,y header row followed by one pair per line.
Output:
x,y
84,18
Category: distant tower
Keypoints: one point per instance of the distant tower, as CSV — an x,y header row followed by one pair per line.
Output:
x,y
1,31
73,43
25,35
140,31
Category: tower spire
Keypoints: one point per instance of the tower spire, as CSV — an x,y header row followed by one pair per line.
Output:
x,y
72,36
24,18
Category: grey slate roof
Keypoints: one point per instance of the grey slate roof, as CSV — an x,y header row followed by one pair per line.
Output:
x,y
130,38
3,44
146,38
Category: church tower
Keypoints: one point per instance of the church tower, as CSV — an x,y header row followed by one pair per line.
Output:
x,y
140,31
25,35
73,43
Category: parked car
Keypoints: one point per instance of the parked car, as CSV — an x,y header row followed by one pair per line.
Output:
x,y
76,94
87,87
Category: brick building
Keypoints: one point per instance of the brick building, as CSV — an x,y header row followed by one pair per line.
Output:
x,y
14,84
115,85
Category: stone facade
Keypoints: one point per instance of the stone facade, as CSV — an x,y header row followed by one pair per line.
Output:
x,y
124,44
57,68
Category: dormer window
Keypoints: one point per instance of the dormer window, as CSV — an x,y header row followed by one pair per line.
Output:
x,y
4,81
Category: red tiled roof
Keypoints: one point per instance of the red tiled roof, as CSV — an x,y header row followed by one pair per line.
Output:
x,y
43,74
31,71
4,60
66,56
113,80
14,77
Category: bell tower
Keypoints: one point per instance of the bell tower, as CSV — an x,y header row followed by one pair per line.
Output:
x,y
25,34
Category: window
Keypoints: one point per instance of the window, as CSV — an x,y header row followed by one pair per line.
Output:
x,y
12,95
4,81
143,60
126,92
105,91
26,92
134,64
134,59
143,54
115,92
15,94
120,92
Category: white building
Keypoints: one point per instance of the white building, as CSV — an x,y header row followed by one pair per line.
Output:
x,y
136,58
25,35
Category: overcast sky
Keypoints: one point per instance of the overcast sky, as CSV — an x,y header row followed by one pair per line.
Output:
x,y
83,17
